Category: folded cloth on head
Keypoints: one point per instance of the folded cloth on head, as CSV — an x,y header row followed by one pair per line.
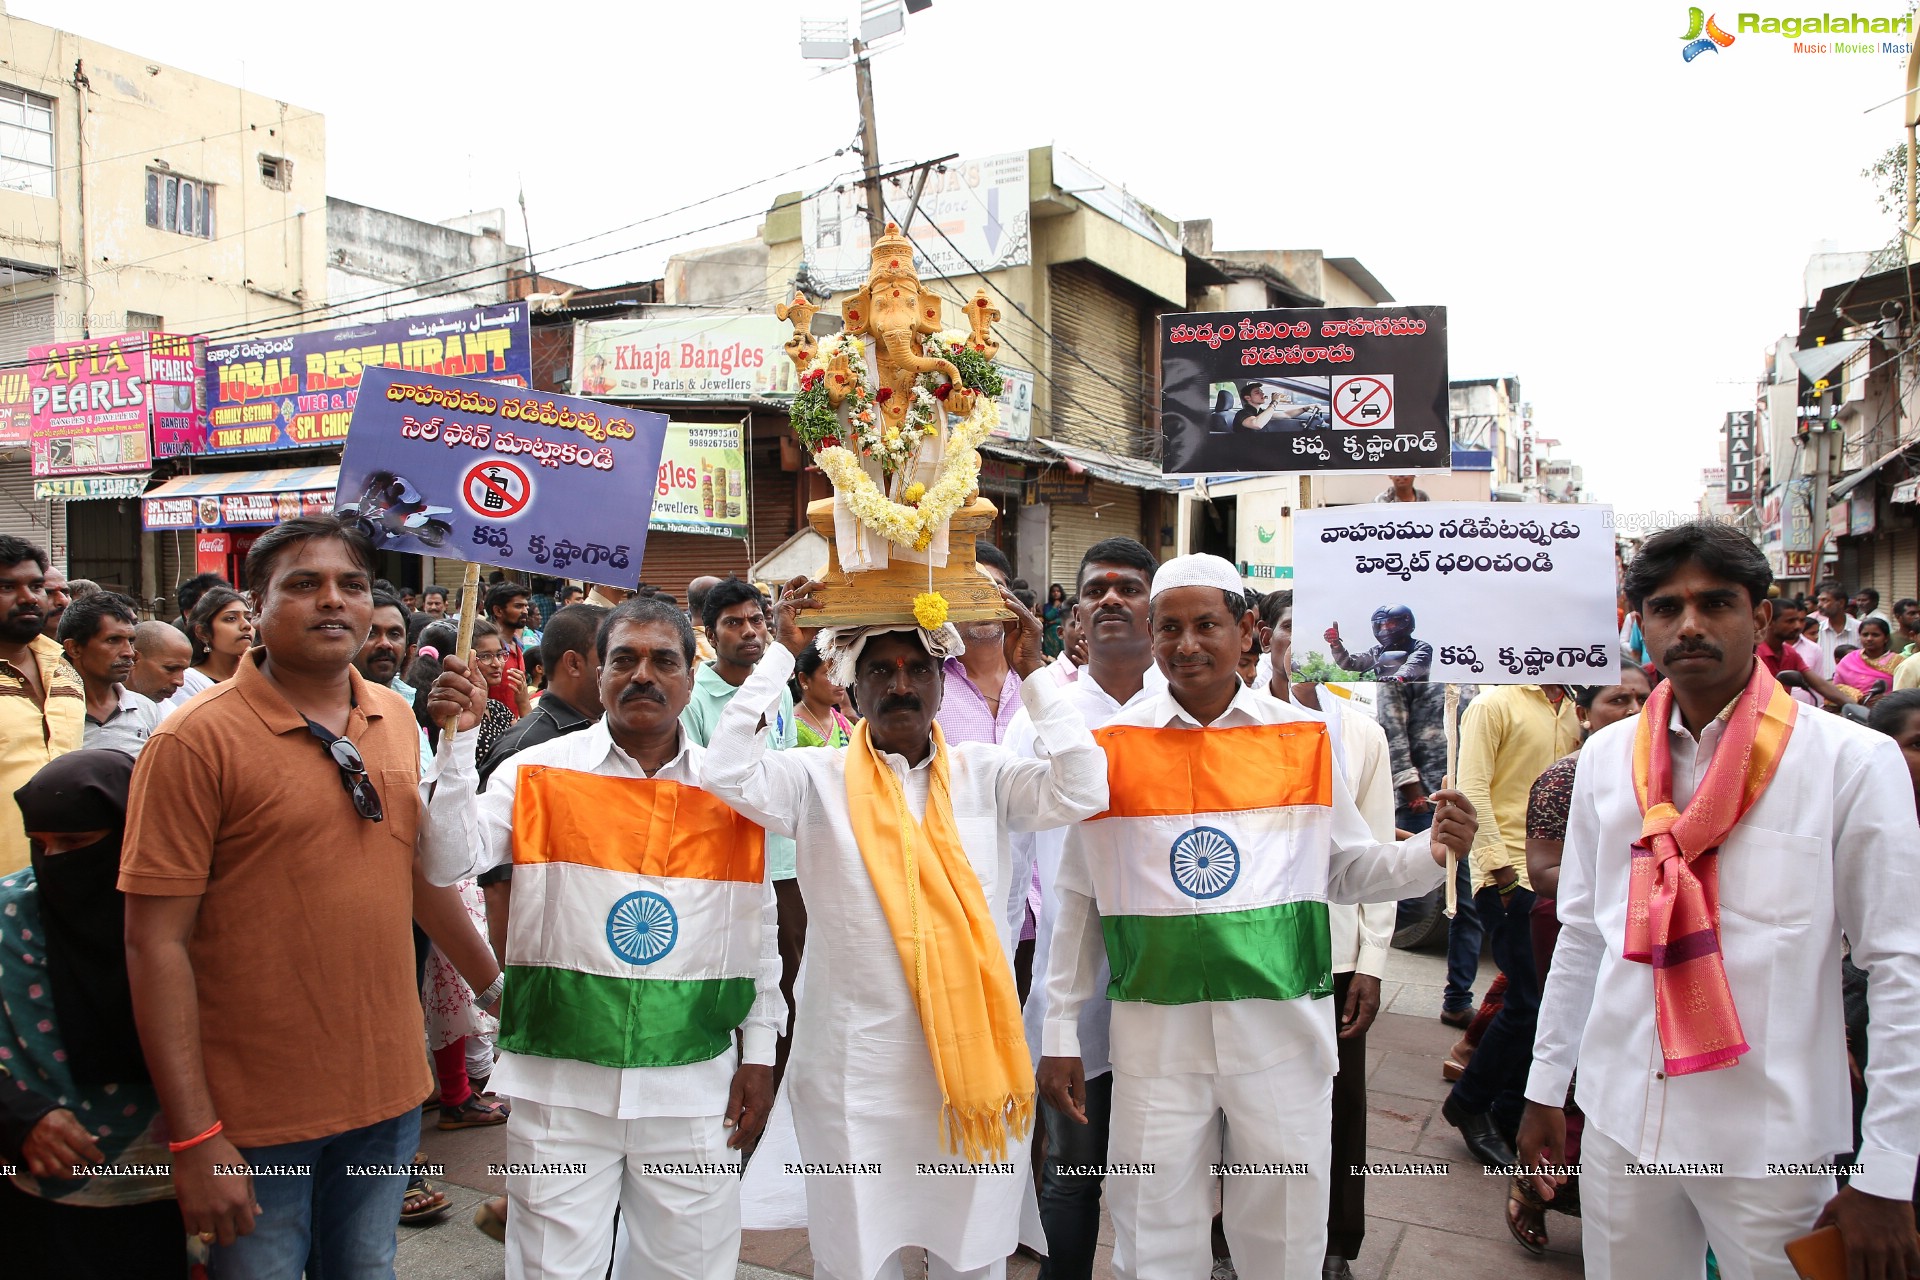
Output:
x,y
840,646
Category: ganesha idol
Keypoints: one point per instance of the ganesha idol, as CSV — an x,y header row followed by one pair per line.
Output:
x,y
893,409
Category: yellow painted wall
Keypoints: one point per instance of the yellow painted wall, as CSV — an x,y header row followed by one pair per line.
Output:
x,y
265,261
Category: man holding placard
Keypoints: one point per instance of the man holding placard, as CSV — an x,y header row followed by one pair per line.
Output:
x,y
1205,886
642,939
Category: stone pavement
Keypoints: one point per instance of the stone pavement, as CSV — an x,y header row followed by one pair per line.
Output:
x,y
1418,1228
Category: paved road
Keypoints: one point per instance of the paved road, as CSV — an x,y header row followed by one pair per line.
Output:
x,y
1424,1228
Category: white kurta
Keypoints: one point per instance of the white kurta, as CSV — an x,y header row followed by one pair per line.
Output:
x,y
860,1076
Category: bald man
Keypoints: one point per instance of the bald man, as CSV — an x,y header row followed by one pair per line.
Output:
x,y
161,656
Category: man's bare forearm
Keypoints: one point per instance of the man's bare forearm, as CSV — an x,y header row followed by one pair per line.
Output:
x,y
166,1009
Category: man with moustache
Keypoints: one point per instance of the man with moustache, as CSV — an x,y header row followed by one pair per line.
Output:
x,y
380,657
642,940
161,656
1204,887
97,634
908,1052
1110,612
1718,849
59,596
43,706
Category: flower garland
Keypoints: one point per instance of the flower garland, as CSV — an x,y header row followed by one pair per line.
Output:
x,y
914,526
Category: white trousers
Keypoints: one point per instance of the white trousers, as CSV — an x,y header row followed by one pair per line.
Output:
x,y
894,1268
1182,1125
560,1225
1658,1228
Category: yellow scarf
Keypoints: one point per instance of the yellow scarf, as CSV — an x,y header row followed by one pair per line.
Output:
x,y
951,955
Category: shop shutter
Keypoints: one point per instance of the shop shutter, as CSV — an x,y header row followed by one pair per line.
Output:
x,y
1094,321
1114,512
1882,579
22,325
44,524
1905,579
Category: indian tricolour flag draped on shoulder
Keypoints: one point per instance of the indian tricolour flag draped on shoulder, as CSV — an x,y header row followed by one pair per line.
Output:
x,y
637,914
1210,864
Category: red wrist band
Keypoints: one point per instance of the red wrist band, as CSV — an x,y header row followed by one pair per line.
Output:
x,y
190,1143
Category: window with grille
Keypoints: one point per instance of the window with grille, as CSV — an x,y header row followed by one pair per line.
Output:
x,y
276,172
26,142
179,204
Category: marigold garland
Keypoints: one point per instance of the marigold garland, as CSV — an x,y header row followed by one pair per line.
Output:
x,y
914,526
930,610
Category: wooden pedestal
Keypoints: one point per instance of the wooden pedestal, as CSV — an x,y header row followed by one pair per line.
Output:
x,y
886,595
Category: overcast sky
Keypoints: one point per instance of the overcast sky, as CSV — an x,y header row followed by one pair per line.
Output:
x,y
1623,230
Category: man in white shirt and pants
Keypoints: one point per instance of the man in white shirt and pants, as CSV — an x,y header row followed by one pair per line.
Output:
x,y
1205,887
1695,982
643,934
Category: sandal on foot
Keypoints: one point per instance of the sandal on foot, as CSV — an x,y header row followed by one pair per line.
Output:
x,y
474,1113
491,1218
423,1204
1526,1216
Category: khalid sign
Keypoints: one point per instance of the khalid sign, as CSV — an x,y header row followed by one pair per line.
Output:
x,y
103,404
294,391
456,467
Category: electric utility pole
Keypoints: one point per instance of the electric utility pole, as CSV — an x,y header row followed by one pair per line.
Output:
x,y
869,141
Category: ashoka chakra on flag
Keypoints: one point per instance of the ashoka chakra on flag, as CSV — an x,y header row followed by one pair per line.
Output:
x,y
1205,862
642,927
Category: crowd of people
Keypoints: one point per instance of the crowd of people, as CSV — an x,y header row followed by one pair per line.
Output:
x,y
1018,918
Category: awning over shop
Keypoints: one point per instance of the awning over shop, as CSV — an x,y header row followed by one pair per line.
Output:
x,y
1866,473
240,499
83,488
1113,467
1817,362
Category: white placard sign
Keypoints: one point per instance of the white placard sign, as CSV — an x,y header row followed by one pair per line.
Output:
x,y
1457,592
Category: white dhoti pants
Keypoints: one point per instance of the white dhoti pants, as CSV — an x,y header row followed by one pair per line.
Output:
x,y
894,1268
1182,1125
1658,1228
560,1225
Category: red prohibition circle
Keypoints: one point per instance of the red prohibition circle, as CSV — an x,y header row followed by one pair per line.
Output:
x,y
1379,389
483,492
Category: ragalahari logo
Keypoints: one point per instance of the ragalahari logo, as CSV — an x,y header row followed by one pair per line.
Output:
x,y
1703,35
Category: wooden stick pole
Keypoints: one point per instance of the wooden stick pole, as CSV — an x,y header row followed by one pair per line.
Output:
x,y
470,609
1452,722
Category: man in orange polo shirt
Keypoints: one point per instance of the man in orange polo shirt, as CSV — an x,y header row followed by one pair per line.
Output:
x,y
269,877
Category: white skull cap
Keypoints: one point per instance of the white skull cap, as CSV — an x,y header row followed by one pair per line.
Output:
x,y
1197,571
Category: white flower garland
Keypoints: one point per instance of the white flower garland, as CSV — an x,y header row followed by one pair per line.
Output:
x,y
914,526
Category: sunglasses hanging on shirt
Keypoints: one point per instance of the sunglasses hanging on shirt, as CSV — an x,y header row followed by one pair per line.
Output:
x,y
353,773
